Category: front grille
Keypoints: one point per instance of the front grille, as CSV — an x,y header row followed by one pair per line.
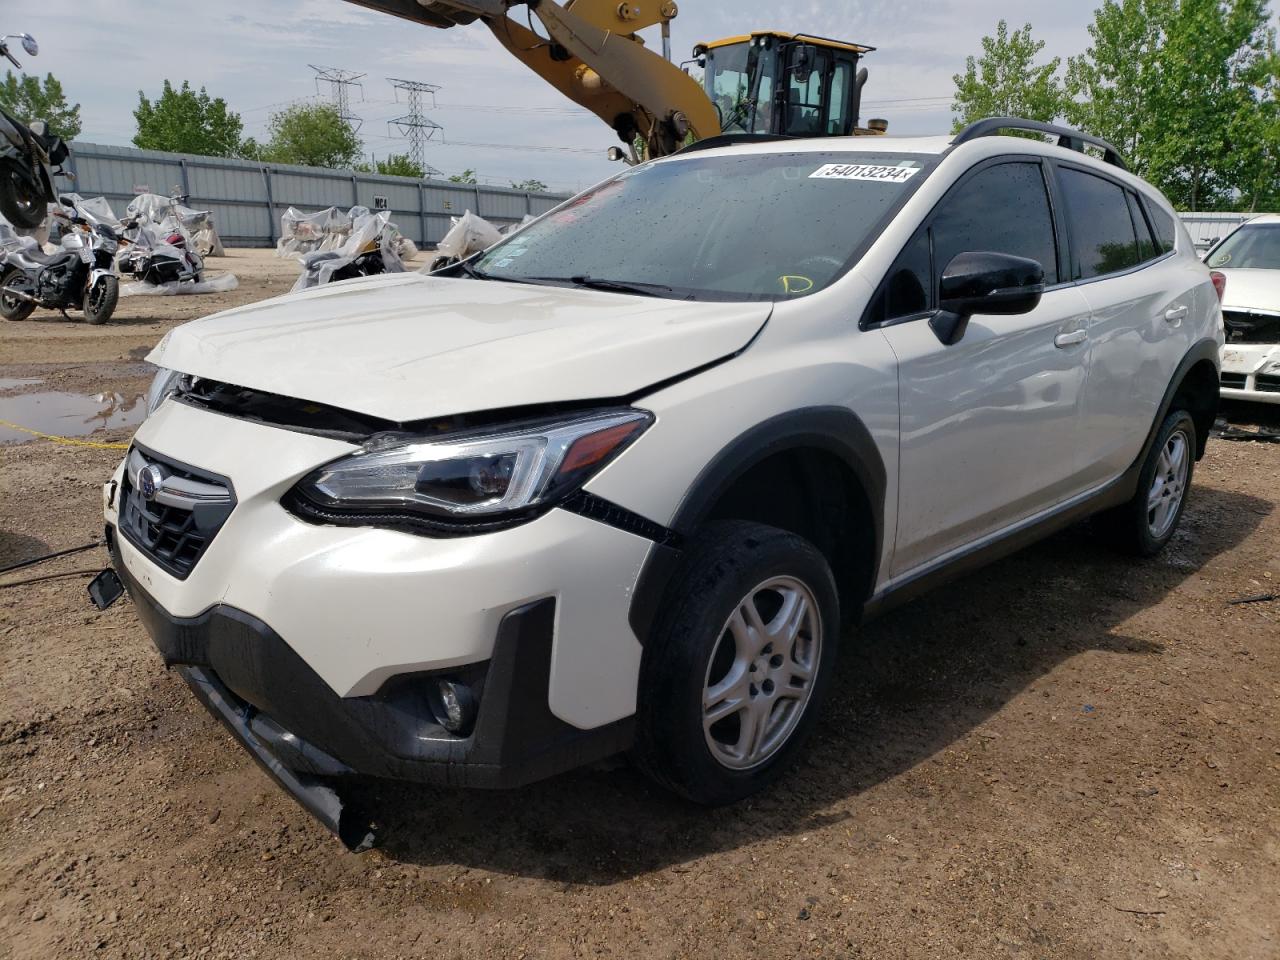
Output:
x,y
1244,326
1235,381
1268,382
177,522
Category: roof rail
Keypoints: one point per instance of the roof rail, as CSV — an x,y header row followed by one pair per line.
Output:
x,y
1071,139
732,139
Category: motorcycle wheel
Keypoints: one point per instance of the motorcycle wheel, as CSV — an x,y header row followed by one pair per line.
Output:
x,y
11,307
21,205
100,300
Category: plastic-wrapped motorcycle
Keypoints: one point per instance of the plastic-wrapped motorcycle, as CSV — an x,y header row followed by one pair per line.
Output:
x,y
80,275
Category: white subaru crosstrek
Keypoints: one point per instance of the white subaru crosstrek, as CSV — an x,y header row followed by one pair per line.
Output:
x,y
1249,259
623,481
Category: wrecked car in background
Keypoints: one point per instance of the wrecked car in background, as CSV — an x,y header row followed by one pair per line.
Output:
x,y
1249,258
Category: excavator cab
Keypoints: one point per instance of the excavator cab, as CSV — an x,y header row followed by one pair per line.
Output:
x,y
785,84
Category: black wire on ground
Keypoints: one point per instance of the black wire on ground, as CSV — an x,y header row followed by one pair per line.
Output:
x,y
51,556
50,576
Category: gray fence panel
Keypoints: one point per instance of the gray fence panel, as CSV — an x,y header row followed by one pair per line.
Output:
x,y
247,197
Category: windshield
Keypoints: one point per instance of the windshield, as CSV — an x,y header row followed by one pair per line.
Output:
x,y
729,76
744,227
1250,248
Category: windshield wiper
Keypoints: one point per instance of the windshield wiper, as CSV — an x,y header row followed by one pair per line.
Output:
x,y
475,272
618,286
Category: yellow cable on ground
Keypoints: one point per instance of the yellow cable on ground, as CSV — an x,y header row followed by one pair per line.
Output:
x,y
69,441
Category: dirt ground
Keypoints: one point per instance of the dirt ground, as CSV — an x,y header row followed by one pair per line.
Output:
x,y
1066,755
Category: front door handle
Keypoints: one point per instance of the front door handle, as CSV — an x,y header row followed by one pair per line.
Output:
x,y
1176,314
1063,340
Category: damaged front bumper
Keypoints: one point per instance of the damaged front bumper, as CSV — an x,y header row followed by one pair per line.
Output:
x,y
1251,371
313,741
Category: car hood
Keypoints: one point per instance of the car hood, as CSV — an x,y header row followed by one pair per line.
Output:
x,y
407,346
1251,290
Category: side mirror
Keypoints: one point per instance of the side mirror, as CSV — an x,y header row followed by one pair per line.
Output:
x,y
984,282
802,62
67,201
29,44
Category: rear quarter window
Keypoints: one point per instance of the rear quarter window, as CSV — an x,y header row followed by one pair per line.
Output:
x,y
1165,228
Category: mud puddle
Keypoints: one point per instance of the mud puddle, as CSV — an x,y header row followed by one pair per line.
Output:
x,y
63,414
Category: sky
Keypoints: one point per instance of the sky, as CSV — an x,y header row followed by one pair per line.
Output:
x,y
499,118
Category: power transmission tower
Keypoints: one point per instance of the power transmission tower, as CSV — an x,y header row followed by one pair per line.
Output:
x,y
340,82
415,125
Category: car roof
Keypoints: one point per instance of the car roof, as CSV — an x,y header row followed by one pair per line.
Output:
x,y
1266,219
970,151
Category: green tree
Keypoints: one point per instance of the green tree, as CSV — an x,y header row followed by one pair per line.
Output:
x,y
398,165
311,134
530,186
29,99
1006,81
186,121
1187,89
466,176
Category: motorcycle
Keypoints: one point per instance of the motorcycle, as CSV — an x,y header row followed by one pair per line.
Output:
x,y
80,275
367,251
157,254
30,157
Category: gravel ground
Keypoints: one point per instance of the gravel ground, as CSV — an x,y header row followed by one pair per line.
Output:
x,y
1066,755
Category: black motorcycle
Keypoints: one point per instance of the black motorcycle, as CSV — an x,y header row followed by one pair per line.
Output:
x,y
79,276
30,157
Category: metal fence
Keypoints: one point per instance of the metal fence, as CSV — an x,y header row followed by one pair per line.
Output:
x,y
247,198
1206,229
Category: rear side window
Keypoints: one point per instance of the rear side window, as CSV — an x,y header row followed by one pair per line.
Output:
x,y
1166,230
1102,236
1147,249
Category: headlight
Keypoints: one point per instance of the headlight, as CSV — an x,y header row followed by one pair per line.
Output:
x,y
478,479
164,385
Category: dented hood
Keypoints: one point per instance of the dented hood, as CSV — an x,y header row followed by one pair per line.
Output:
x,y
407,346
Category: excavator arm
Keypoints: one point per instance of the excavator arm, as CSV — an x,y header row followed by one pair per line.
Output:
x,y
591,53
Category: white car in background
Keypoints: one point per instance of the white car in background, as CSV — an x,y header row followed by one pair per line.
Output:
x,y
1249,257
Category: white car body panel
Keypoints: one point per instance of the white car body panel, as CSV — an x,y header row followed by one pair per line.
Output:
x,y
362,604
408,347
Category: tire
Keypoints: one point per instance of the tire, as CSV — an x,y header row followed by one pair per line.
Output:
x,y
11,308
1146,523
99,308
20,206
695,650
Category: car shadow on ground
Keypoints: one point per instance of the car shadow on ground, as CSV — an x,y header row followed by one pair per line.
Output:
x,y
908,686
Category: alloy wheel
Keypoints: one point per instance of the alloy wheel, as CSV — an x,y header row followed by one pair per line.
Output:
x,y
761,674
1168,485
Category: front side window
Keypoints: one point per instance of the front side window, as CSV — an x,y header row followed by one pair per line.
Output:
x,y
1254,247
1103,239
1002,209
716,226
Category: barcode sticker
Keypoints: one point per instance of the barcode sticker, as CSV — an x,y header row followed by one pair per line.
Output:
x,y
864,171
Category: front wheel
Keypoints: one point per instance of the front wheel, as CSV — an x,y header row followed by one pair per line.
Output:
x,y
21,204
738,663
1146,523
11,307
100,300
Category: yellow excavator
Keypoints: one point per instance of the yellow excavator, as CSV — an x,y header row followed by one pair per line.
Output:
x,y
765,83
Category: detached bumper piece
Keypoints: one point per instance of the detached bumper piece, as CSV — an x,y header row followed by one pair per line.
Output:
x,y
309,739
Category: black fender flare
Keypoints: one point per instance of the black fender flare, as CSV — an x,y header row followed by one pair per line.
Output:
x,y
833,429
1204,349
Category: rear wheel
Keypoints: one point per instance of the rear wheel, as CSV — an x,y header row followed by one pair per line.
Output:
x,y
738,663
1146,523
21,204
11,307
100,300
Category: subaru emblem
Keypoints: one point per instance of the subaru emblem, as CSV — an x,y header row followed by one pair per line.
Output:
x,y
150,480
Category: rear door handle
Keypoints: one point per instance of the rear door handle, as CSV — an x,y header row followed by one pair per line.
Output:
x,y
1063,340
1176,314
